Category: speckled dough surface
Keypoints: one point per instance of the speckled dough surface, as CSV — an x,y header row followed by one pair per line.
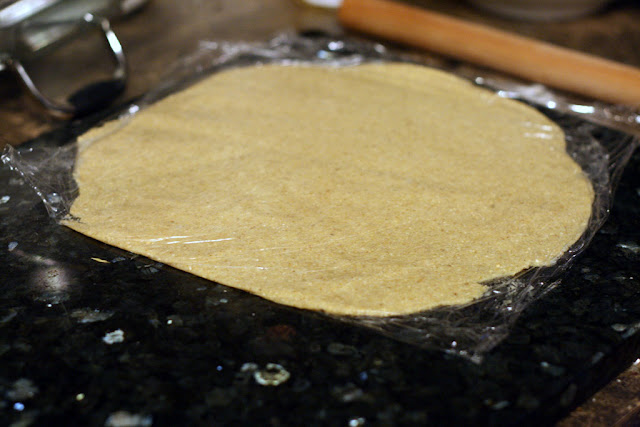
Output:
x,y
371,190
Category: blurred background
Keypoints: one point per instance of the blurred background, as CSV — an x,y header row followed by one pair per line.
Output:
x,y
156,33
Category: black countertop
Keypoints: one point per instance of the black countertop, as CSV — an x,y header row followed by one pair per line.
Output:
x,y
95,335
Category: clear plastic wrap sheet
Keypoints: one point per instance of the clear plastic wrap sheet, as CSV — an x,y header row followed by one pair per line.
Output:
x,y
468,330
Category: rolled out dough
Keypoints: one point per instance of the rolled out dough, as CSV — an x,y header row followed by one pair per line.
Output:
x,y
378,189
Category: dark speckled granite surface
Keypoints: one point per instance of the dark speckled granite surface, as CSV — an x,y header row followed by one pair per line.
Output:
x,y
93,335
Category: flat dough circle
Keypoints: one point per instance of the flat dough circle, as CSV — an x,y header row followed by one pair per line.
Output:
x,y
378,189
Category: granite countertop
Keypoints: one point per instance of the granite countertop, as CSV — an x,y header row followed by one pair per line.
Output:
x,y
92,335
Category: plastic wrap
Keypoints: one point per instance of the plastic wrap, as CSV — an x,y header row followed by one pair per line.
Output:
x,y
468,330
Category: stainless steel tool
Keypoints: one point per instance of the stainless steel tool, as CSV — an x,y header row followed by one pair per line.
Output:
x,y
32,28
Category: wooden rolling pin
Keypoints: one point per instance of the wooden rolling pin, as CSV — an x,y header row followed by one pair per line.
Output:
x,y
521,56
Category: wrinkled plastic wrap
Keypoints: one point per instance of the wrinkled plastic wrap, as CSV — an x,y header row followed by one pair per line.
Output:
x,y
599,138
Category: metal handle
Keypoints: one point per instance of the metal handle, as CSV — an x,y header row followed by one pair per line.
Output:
x,y
93,96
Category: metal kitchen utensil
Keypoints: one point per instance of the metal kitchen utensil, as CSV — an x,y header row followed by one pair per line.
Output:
x,y
32,28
